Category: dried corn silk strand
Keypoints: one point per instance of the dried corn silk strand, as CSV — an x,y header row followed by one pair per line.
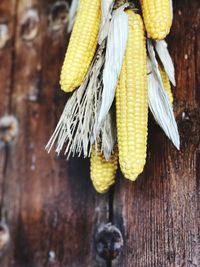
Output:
x,y
75,127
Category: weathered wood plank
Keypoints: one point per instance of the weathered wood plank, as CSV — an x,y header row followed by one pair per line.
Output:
x,y
158,214
7,58
7,38
49,204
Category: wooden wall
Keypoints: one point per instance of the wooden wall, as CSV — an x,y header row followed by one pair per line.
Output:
x,y
47,205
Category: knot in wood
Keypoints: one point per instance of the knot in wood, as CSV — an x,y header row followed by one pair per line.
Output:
x,y
8,129
58,17
109,242
29,25
4,236
4,35
188,125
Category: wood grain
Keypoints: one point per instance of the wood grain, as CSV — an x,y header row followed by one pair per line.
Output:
x,y
158,214
48,203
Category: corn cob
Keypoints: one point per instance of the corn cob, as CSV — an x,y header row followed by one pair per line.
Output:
x,y
157,18
132,101
166,83
82,45
102,172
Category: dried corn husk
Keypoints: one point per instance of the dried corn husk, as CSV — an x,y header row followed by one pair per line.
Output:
x,y
165,58
159,103
75,127
72,14
106,9
115,49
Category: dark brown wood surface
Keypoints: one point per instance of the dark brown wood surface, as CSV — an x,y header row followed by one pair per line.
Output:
x,y
51,210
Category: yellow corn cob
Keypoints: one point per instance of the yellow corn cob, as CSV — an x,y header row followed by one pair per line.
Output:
x,y
166,83
82,45
102,172
157,17
132,101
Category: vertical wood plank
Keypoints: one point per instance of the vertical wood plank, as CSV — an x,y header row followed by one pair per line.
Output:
x,y
7,38
158,214
48,203
7,58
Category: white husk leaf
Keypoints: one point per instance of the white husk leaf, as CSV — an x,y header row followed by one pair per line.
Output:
x,y
106,9
163,53
76,125
159,103
108,135
115,49
72,14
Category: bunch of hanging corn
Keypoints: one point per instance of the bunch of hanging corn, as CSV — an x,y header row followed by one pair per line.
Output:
x,y
125,76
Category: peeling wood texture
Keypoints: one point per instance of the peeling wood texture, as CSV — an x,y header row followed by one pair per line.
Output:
x,y
50,214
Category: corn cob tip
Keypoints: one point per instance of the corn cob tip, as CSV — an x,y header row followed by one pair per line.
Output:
x,y
131,172
157,18
102,189
103,172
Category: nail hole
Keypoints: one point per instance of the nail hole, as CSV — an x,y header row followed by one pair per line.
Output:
x,y
58,17
4,235
30,25
188,124
52,256
8,129
109,242
4,35
33,94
